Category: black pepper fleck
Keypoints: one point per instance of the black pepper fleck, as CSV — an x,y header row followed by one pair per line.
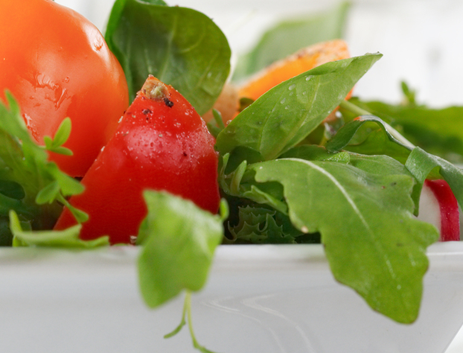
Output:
x,y
168,102
146,111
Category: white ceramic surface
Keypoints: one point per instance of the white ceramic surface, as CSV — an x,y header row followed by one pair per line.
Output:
x,y
271,299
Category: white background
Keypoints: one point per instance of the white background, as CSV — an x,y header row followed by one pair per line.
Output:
x,y
421,41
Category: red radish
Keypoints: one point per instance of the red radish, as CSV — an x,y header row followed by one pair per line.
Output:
x,y
439,206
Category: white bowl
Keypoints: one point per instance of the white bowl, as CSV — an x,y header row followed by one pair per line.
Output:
x,y
263,298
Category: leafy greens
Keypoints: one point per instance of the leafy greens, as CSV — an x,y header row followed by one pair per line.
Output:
x,y
180,46
30,185
286,114
280,187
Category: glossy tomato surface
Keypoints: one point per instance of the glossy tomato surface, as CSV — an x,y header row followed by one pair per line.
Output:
x,y
160,144
57,65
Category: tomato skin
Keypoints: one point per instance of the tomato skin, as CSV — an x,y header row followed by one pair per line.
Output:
x,y
57,65
159,144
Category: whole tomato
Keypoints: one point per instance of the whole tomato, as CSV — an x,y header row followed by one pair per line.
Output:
x,y
161,143
57,65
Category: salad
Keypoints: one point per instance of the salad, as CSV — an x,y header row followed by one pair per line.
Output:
x,y
301,162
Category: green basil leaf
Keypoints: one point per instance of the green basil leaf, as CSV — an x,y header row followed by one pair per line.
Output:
x,y
375,246
179,240
180,46
287,113
289,36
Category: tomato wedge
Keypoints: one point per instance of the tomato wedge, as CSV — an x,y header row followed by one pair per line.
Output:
x,y
161,143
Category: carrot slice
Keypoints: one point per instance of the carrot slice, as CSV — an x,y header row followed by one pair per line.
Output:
x,y
282,70
293,65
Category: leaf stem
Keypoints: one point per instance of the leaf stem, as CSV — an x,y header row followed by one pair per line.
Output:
x,y
182,322
187,314
359,111
190,324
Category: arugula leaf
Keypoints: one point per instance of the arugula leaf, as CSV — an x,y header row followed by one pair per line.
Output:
x,y
347,132
385,265
316,153
178,241
361,127
287,113
378,164
180,46
438,131
289,36
68,238
420,164
379,142
26,176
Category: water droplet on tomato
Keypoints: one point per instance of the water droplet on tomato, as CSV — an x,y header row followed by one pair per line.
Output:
x,y
98,43
60,96
28,120
30,126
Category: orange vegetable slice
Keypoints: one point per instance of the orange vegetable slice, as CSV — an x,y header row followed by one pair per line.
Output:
x,y
293,65
282,70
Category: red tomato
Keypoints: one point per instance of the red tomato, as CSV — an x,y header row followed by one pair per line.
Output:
x,y
57,65
160,144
